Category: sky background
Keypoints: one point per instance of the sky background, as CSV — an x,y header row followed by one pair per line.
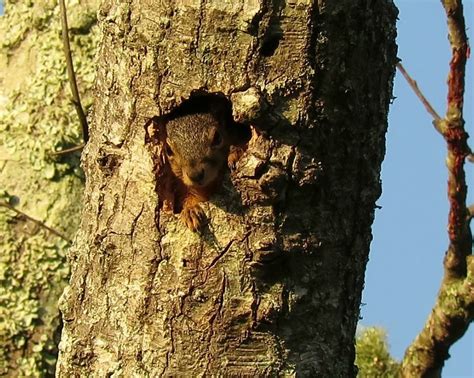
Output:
x,y
410,238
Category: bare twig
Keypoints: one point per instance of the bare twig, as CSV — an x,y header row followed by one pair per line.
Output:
x,y
429,108
414,85
68,150
454,307
39,223
71,75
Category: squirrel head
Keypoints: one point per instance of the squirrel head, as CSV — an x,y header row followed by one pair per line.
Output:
x,y
196,148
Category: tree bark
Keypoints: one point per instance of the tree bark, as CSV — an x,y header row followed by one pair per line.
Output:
x,y
273,285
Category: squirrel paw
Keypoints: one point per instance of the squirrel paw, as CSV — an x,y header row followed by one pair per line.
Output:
x,y
193,217
234,156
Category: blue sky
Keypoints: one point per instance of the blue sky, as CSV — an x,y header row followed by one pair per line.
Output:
x,y
410,238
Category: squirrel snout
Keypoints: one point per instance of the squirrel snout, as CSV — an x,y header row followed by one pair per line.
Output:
x,y
197,176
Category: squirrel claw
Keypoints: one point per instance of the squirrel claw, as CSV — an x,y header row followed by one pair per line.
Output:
x,y
193,217
234,156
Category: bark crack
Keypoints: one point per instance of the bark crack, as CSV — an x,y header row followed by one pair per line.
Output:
x,y
212,322
197,37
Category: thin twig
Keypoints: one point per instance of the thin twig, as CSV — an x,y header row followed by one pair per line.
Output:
x,y
414,85
68,150
38,222
71,75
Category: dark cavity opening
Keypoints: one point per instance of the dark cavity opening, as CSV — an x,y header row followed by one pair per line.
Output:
x,y
270,44
169,188
202,102
272,37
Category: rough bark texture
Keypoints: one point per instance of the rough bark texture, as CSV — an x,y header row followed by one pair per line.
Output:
x,y
273,285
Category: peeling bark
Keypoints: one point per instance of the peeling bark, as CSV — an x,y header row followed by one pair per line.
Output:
x,y
273,285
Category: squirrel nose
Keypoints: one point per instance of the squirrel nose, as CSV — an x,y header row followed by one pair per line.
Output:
x,y
197,177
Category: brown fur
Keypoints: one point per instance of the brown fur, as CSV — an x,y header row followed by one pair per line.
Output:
x,y
194,149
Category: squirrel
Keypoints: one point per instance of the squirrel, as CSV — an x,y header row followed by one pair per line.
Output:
x,y
198,147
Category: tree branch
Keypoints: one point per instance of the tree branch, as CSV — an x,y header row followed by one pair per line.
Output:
x,y
68,150
456,138
38,222
454,307
414,85
470,212
71,74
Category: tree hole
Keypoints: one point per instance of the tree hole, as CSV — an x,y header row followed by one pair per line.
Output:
x,y
172,183
271,39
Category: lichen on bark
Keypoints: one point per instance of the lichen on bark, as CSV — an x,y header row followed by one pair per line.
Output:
x,y
37,118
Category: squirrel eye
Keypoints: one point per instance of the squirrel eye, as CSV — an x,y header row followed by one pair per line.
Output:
x,y
168,150
217,140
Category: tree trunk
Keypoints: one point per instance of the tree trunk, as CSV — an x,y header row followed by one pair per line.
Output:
x,y
273,285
